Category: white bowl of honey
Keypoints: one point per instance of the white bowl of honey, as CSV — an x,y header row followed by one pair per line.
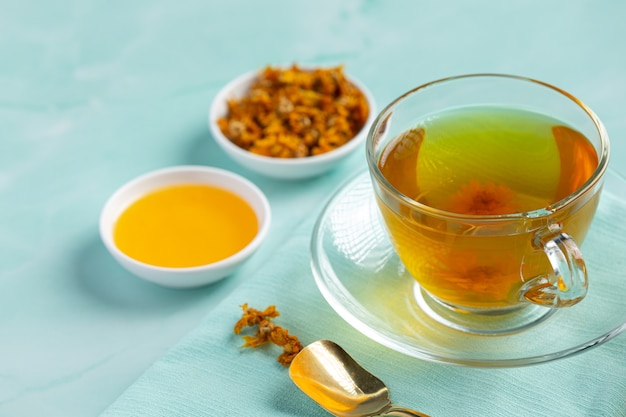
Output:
x,y
185,226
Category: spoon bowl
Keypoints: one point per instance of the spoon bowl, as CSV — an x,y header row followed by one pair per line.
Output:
x,y
331,377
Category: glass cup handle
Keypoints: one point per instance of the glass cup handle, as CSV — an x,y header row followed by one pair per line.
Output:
x,y
567,284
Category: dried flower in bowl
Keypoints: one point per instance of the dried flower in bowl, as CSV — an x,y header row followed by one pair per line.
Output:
x,y
295,112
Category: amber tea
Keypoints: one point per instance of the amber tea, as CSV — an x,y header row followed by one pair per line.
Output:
x,y
483,161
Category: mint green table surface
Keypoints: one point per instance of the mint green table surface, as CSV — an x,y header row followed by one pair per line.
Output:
x,y
94,93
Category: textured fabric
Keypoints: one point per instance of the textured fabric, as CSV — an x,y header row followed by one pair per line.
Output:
x,y
208,374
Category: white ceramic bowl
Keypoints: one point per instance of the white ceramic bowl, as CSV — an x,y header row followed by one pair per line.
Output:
x,y
192,276
282,168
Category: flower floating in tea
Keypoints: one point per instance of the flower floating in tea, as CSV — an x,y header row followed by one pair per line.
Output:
x,y
483,199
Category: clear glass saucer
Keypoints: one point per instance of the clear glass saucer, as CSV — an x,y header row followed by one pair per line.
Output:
x,y
360,276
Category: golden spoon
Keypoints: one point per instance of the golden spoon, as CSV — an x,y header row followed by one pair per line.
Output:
x,y
327,374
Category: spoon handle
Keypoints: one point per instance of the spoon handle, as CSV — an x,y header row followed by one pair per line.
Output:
x,y
395,411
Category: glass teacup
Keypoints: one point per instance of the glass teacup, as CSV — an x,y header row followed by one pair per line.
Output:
x,y
487,185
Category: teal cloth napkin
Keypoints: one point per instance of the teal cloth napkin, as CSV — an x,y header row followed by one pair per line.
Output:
x,y
209,374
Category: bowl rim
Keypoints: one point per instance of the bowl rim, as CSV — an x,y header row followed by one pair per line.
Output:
x,y
246,78
107,219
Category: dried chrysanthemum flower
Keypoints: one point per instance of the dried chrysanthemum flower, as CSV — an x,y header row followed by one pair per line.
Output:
x,y
483,199
267,332
294,112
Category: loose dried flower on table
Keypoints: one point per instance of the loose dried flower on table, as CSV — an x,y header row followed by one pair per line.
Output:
x,y
295,112
267,332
